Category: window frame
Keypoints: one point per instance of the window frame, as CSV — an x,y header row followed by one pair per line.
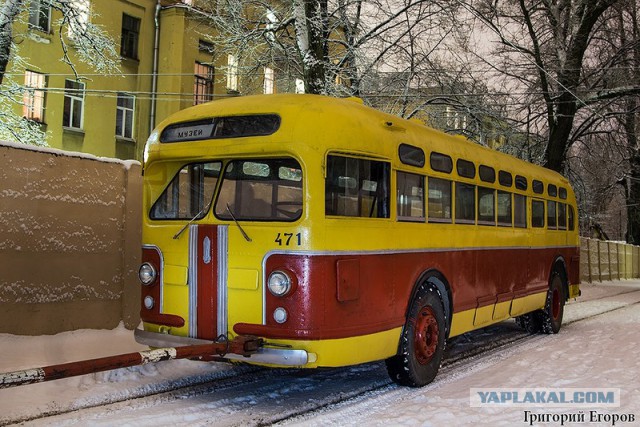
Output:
x,y
381,203
39,12
71,99
34,98
125,113
130,37
410,198
203,83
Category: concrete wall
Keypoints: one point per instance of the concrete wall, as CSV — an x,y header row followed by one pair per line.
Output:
x,y
69,241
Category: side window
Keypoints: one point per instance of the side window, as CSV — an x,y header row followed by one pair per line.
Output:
x,y
357,187
441,162
504,208
572,221
537,213
520,210
410,196
439,200
562,216
486,206
551,215
465,203
466,168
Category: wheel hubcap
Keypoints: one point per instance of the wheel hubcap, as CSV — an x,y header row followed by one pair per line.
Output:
x,y
426,336
555,304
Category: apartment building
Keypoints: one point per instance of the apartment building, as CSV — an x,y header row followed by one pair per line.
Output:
x,y
167,63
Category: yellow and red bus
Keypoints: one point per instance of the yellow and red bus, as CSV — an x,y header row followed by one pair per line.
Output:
x,y
341,235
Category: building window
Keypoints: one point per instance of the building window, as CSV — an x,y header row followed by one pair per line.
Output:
x,y
232,73
40,15
124,115
78,22
269,80
299,86
33,108
130,36
203,83
206,47
72,116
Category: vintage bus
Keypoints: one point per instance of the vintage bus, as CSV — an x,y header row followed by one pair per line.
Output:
x,y
341,235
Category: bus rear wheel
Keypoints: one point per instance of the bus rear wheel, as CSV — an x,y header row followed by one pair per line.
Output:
x,y
551,316
422,342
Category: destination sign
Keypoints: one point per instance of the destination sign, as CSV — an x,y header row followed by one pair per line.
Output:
x,y
187,132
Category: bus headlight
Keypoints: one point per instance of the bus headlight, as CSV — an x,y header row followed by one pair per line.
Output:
x,y
279,283
147,274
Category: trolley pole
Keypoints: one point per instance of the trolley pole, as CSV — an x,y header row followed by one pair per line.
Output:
x,y
240,345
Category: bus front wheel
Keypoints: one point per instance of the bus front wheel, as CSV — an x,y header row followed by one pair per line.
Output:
x,y
422,341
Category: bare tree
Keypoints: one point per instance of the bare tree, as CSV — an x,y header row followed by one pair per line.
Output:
x,y
544,47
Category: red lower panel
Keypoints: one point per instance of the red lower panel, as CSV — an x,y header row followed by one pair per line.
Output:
x,y
339,296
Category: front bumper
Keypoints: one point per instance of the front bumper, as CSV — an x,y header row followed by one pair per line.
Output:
x,y
268,356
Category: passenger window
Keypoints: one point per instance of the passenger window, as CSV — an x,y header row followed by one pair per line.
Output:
x,y
552,190
562,192
521,183
465,168
572,224
538,187
504,208
189,194
357,187
410,197
441,162
487,174
505,178
465,203
486,206
439,200
410,155
562,216
551,215
537,213
520,211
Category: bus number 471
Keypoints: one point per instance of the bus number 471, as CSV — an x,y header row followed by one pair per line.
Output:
x,y
289,239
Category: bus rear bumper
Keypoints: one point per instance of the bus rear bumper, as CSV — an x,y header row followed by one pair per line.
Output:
x,y
267,356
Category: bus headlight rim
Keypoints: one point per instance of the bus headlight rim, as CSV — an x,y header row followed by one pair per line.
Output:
x,y
147,274
279,283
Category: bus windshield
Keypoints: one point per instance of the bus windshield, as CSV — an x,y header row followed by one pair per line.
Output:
x,y
261,190
189,194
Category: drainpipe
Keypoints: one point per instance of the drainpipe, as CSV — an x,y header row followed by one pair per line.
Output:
x,y
154,76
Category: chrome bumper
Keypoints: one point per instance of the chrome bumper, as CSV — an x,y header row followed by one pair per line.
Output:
x,y
271,356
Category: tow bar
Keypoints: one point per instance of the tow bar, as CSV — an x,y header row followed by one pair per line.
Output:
x,y
242,345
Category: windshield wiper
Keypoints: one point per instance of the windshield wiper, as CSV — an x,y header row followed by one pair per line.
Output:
x,y
205,209
245,235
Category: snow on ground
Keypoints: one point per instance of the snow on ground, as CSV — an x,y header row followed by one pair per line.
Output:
x,y
600,352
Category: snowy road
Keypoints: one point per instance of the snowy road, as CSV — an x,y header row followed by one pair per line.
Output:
x,y
596,348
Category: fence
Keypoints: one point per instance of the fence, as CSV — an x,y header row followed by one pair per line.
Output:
x,y
604,260
69,241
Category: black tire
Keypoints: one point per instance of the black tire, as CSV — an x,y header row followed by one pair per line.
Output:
x,y
530,322
551,316
422,342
